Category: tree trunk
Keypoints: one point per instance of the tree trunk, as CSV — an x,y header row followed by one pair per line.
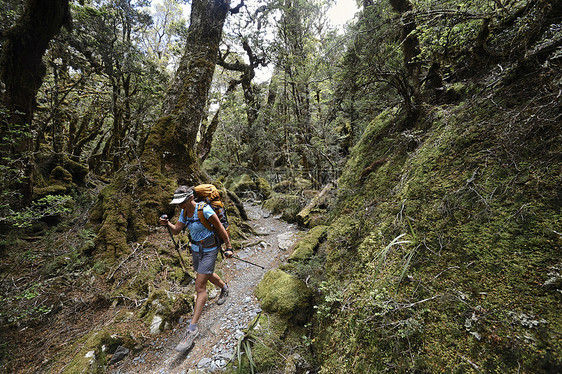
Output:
x,y
22,72
204,145
184,106
140,193
411,51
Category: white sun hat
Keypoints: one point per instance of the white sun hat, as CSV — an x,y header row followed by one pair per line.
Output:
x,y
181,194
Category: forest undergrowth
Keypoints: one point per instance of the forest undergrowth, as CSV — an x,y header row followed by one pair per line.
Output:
x,y
444,249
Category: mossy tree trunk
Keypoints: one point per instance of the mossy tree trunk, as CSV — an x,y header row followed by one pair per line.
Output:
x,y
21,74
141,192
411,51
170,147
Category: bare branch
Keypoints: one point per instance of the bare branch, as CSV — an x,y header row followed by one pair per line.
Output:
x,y
237,8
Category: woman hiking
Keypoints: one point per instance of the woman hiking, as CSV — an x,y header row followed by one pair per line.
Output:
x,y
204,251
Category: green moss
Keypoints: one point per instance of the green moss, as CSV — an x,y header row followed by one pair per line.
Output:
x,y
478,251
283,187
244,185
60,182
363,154
293,185
60,174
53,189
306,246
137,286
167,306
128,206
265,358
91,358
273,339
286,205
78,170
264,188
301,184
112,235
284,294
315,213
456,91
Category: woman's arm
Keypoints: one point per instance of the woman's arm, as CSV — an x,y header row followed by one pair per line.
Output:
x,y
174,228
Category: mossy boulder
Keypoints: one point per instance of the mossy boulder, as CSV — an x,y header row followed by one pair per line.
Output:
x,y
244,185
163,309
285,295
60,174
283,187
306,247
264,188
94,349
286,205
59,183
52,189
292,185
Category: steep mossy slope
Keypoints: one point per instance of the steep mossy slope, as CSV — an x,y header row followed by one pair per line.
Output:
x,y
444,250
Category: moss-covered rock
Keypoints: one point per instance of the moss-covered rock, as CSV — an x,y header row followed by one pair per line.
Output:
x,y
306,246
292,185
163,309
286,205
60,174
77,170
60,182
285,295
52,189
94,349
244,185
264,188
284,186
250,187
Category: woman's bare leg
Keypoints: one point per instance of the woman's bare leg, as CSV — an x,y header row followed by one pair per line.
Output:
x,y
217,281
201,289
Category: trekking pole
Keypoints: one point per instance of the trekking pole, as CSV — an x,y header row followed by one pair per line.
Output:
x,y
248,262
239,259
176,245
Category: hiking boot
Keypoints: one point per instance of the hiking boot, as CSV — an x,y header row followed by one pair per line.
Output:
x,y
222,296
187,341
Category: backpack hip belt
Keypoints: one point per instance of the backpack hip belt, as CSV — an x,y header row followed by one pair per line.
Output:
x,y
208,242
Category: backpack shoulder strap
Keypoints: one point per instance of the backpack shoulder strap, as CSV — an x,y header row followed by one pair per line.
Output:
x,y
202,218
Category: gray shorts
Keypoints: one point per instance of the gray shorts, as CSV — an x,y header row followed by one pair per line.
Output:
x,y
205,264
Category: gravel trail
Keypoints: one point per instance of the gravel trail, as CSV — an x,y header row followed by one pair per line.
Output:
x,y
220,326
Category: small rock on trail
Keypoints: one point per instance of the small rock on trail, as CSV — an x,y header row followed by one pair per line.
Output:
x,y
220,326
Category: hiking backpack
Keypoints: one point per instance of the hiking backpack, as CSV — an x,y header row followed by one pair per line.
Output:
x,y
210,195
